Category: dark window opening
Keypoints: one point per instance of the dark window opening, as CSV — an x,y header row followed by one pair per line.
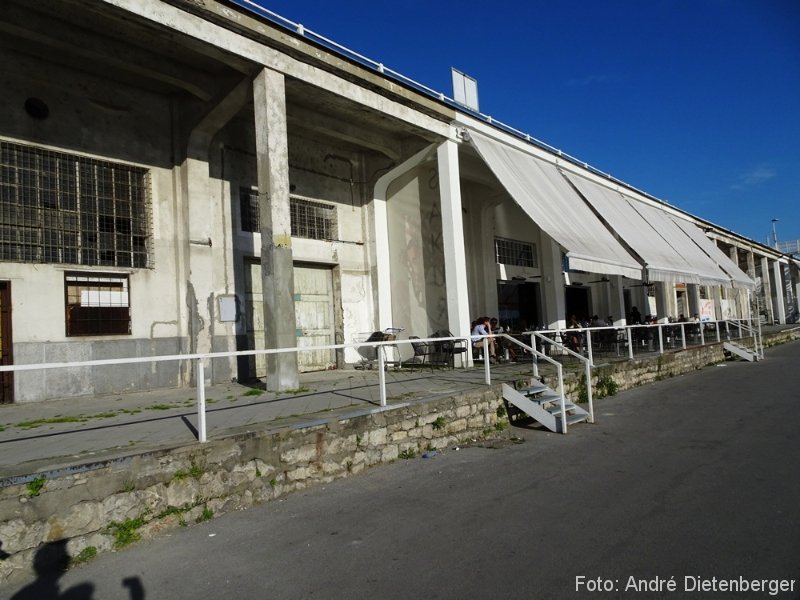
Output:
x,y
97,304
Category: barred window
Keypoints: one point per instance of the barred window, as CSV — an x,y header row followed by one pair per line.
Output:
x,y
97,304
516,253
248,210
61,208
310,219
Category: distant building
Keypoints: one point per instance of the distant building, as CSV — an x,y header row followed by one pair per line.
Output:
x,y
189,176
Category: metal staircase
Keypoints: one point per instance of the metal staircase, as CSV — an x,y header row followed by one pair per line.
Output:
x,y
740,351
545,405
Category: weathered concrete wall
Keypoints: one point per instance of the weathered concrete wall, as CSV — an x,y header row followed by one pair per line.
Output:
x,y
146,494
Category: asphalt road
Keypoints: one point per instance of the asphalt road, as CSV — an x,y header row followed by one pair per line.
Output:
x,y
686,480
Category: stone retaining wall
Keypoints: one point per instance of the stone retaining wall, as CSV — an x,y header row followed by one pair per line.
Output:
x,y
140,496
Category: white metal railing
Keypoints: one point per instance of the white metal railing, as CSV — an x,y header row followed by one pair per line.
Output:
x,y
655,337
553,343
199,367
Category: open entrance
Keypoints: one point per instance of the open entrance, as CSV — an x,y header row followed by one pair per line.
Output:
x,y
576,301
6,356
518,305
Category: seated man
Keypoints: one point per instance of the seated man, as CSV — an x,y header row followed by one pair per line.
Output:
x,y
481,328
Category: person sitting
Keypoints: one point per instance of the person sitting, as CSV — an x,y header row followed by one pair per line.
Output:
x,y
573,340
481,328
635,317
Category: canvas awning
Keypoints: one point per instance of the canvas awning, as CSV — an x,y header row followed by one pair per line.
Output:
x,y
739,277
650,232
546,197
661,261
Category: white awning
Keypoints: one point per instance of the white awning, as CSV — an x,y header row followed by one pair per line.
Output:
x,y
650,232
739,277
707,271
662,263
538,188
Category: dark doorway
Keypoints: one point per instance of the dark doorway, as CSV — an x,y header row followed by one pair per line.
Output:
x,y
6,355
577,302
518,304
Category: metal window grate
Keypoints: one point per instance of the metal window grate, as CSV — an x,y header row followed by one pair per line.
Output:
x,y
313,220
62,208
97,304
310,218
515,252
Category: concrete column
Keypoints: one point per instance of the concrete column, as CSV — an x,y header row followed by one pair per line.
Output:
x,y
794,273
693,297
616,301
663,300
778,293
455,263
277,269
555,304
741,310
766,290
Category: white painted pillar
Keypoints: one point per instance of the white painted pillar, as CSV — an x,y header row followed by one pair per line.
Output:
x,y
779,292
766,288
555,305
616,301
693,296
663,300
277,268
455,261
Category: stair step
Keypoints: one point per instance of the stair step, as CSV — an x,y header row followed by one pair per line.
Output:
x,y
578,418
546,398
536,388
555,410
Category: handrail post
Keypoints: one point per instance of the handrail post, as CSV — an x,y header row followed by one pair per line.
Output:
x,y
630,343
563,401
381,374
683,336
589,391
589,345
716,328
199,375
727,330
533,355
487,371
702,335
660,338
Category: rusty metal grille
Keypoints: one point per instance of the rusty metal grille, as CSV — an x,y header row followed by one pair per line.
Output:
x,y
514,252
310,219
61,208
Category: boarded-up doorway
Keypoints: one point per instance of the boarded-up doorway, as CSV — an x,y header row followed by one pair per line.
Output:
x,y
6,346
314,318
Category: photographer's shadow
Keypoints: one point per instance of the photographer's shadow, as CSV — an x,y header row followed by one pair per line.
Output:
x,y
50,564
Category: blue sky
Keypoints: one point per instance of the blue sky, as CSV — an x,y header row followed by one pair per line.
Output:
x,y
696,102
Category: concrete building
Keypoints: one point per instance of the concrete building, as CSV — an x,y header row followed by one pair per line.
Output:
x,y
190,176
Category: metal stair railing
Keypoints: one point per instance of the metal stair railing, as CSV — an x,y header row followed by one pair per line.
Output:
x,y
758,341
588,364
535,356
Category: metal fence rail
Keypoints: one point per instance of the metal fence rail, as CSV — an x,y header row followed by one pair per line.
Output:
x,y
545,345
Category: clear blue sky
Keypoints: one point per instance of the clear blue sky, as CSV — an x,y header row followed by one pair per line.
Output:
x,y
696,102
